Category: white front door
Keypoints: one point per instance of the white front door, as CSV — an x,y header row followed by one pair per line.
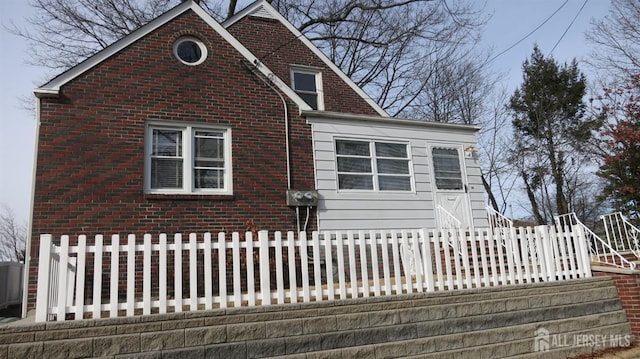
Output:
x,y
450,184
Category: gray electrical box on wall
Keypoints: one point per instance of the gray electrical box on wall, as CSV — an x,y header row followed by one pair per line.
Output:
x,y
302,198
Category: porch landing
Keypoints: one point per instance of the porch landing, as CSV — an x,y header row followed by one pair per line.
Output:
x,y
566,318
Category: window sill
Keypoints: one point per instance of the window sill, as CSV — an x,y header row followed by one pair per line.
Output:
x,y
188,197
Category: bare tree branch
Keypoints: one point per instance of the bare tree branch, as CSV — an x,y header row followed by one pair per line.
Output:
x,y
13,236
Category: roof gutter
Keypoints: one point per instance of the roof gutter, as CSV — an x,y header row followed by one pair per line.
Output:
x,y
348,117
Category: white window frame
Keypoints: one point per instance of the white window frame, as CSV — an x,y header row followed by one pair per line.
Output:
x,y
374,166
309,71
188,153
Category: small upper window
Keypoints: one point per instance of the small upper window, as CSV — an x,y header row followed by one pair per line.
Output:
x,y
308,85
190,51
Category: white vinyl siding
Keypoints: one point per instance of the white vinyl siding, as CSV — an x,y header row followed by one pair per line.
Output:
x,y
362,210
187,159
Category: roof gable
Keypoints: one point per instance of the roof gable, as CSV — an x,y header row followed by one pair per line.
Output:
x,y
52,88
261,8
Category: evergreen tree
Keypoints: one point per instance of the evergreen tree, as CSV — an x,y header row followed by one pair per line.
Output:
x,y
550,131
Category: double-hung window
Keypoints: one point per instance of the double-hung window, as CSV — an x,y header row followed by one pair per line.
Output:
x,y
307,83
373,165
187,159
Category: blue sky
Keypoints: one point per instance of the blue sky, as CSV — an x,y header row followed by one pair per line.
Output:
x,y
511,21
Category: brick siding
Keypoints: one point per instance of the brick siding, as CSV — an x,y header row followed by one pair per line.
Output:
x,y
628,285
90,166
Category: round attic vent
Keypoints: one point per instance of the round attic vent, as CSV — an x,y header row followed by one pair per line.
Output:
x,y
190,51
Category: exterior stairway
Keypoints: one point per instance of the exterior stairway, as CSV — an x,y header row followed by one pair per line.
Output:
x,y
564,317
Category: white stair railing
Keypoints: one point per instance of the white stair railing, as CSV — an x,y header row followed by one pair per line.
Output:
x,y
449,226
499,224
621,234
601,251
497,219
446,220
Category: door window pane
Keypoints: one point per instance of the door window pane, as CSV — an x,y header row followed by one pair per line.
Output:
x,y
446,167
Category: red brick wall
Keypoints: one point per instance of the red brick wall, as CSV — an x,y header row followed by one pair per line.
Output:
x,y
90,166
278,48
628,286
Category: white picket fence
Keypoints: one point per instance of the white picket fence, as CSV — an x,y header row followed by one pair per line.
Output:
x,y
160,274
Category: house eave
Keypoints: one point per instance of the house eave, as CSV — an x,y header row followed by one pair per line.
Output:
x,y
46,92
349,117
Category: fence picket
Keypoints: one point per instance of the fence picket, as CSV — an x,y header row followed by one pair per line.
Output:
x,y
331,294
524,264
483,242
162,267
193,272
235,270
362,243
516,249
446,247
80,277
251,281
62,278
570,251
457,262
476,278
113,285
279,271
304,263
131,276
374,263
97,278
317,271
146,270
396,263
353,276
437,253
509,254
499,240
177,271
222,272
405,247
342,289
427,265
417,261
44,283
291,254
265,295
208,285
465,258
384,245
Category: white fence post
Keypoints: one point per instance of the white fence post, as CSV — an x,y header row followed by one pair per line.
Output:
x,y
44,271
265,268
62,278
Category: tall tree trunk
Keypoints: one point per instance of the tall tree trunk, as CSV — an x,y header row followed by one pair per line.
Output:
x,y
557,170
532,199
489,191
